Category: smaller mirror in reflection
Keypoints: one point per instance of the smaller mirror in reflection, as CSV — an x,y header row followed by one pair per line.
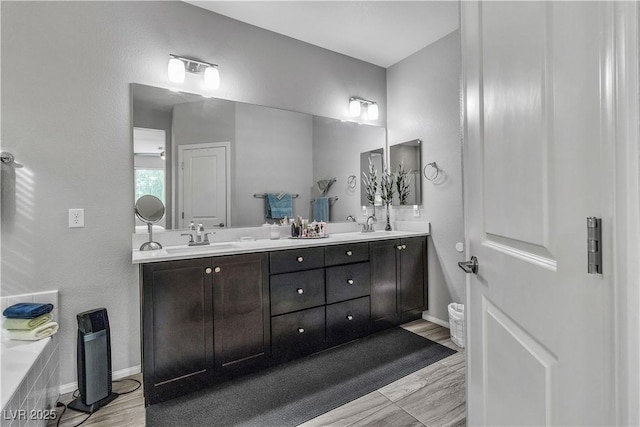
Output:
x,y
371,168
405,165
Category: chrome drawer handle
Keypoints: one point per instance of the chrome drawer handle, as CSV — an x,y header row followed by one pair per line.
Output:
x,y
300,330
349,253
349,317
208,270
217,269
300,291
350,281
300,259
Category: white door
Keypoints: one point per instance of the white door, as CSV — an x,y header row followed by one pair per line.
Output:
x,y
537,164
203,184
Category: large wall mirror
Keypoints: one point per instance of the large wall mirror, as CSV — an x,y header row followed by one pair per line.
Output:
x,y
212,160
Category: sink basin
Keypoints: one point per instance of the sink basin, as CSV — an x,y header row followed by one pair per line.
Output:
x,y
195,249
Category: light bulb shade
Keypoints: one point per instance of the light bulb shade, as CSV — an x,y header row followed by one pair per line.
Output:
x,y
372,111
354,108
212,78
176,70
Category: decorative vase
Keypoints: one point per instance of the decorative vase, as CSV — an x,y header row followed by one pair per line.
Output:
x,y
388,226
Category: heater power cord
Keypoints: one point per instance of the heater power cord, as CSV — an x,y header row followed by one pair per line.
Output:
x,y
76,393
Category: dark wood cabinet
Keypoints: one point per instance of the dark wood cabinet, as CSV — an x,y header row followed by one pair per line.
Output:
x,y
240,311
177,331
398,281
208,319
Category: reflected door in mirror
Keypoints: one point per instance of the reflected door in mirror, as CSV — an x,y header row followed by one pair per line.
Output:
x,y
203,184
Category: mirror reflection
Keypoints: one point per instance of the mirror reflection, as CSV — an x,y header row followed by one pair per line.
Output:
x,y
405,164
371,168
214,161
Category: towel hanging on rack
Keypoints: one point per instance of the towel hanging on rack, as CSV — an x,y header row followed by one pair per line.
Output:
x,y
321,209
278,205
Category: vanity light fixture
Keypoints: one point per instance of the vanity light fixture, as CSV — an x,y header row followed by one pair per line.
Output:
x,y
355,108
178,67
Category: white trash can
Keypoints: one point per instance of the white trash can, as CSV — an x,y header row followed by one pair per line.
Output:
x,y
456,323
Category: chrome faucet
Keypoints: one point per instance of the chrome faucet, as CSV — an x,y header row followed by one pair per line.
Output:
x,y
202,238
367,227
351,218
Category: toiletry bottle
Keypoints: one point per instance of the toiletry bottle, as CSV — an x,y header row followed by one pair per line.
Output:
x,y
274,231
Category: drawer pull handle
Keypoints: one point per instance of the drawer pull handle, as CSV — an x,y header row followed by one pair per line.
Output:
x,y
349,317
349,253
217,269
208,270
300,259
300,330
350,281
300,291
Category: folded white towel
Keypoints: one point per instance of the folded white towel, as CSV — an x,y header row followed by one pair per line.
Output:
x,y
27,324
42,331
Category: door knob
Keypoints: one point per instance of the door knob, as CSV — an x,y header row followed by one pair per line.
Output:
x,y
470,266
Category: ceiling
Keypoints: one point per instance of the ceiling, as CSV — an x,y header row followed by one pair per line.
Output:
x,y
379,32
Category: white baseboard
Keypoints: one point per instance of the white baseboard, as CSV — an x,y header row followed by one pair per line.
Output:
x,y
116,375
435,320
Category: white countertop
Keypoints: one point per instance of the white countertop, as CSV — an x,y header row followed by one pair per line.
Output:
x,y
170,253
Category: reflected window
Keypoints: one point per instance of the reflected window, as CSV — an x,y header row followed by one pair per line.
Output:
x,y
149,181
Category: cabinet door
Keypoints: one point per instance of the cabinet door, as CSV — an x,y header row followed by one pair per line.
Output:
x,y
240,310
177,328
384,279
413,272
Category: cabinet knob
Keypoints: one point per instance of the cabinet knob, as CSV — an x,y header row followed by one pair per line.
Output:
x,y
349,253
349,317
399,247
300,330
217,269
300,291
300,259
350,281
404,246
208,270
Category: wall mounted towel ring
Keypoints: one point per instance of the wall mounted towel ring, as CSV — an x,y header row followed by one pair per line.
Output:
x,y
6,158
431,171
352,181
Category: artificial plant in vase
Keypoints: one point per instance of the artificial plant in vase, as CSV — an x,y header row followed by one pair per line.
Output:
x,y
403,180
386,193
371,185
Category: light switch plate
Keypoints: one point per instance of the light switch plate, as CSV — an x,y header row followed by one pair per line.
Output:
x,y
76,218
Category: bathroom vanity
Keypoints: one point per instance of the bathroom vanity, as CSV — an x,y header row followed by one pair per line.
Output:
x,y
214,313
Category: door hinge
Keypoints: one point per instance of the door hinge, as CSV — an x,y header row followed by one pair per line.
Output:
x,y
594,245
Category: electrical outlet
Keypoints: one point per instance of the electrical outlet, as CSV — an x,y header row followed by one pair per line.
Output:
x,y
76,218
416,210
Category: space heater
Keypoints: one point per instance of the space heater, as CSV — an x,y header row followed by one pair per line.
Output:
x,y
94,362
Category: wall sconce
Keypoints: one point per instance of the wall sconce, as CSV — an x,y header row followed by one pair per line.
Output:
x,y
355,108
178,67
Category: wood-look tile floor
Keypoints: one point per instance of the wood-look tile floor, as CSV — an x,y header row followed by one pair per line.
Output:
x,y
432,396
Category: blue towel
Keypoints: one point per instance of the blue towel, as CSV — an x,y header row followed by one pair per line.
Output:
x,y
278,205
321,209
27,310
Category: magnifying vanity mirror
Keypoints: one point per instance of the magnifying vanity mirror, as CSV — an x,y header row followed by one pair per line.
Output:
x,y
405,164
149,209
212,160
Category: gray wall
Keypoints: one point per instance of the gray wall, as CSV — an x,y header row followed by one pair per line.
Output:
x,y
423,95
66,115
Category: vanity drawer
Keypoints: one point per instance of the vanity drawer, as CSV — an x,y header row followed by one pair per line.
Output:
x,y
296,260
344,254
348,282
296,291
348,320
295,334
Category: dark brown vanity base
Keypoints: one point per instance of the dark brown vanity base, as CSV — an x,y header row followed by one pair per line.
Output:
x,y
210,319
